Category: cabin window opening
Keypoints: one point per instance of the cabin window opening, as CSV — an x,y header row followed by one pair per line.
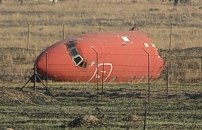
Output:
x,y
70,44
81,64
73,52
84,65
77,60
71,41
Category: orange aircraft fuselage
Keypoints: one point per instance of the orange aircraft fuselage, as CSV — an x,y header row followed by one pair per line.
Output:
x,y
103,56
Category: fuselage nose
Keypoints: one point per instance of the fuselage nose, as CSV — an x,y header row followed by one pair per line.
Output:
x,y
41,63
49,62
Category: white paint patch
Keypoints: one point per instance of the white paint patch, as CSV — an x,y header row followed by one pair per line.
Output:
x,y
146,44
125,38
103,71
98,76
153,45
92,63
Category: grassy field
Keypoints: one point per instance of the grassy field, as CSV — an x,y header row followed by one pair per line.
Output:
x,y
71,100
119,103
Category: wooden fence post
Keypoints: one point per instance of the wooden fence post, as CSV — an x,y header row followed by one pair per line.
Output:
x,y
28,36
63,30
168,67
100,27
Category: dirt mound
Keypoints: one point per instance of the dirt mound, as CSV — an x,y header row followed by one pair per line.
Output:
x,y
12,97
85,121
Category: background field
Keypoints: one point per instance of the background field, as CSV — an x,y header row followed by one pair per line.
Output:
x,y
46,21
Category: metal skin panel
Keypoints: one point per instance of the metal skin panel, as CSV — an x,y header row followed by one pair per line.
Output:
x,y
122,57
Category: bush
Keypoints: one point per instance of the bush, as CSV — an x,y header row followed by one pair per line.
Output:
x,y
185,1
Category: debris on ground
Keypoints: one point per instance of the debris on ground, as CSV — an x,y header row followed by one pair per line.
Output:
x,y
85,121
131,118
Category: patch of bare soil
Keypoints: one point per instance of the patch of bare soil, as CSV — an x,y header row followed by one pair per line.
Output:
x,y
132,118
85,121
12,97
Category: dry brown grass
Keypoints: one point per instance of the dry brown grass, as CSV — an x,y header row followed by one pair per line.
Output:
x,y
46,21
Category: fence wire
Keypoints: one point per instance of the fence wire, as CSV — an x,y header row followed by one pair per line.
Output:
x,y
180,82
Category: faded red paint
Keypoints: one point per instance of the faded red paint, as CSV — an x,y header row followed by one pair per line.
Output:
x,y
122,57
